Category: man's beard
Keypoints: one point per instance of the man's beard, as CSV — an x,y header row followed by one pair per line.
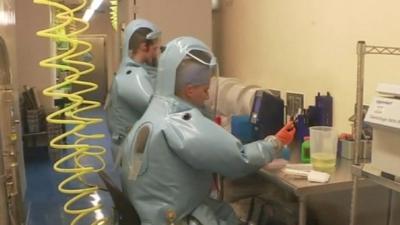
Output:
x,y
153,62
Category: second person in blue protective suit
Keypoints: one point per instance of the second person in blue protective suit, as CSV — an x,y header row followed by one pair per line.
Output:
x,y
170,154
133,84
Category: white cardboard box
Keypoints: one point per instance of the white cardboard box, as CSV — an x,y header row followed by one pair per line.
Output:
x,y
384,116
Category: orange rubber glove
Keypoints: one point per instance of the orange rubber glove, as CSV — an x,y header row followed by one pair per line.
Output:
x,y
286,134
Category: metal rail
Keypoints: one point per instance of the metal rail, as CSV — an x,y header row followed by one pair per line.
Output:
x,y
362,50
381,50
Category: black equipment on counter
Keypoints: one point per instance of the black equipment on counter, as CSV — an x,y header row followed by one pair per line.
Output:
x,y
325,104
267,114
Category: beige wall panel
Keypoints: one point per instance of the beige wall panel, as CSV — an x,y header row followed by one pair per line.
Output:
x,y
308,46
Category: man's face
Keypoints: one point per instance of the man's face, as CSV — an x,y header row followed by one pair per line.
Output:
x,y
197,94
153,52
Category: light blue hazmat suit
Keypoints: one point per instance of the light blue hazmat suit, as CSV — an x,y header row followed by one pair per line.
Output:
x,y
171,152
131,89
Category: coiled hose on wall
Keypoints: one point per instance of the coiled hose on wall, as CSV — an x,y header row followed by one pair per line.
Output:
x,y
71,115
114,14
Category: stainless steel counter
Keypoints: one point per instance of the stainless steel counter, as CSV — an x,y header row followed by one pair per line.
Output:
x,y
341,179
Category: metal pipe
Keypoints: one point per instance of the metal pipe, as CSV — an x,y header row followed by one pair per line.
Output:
x,y
302,210
359,99
390,207
358,125
354,193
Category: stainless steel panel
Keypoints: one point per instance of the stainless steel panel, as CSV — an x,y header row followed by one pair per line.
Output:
x,y
4,209
9,150
4,73
395,209
3,193
12,174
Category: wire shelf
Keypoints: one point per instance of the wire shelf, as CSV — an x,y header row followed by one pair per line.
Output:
x,y
381,50
373,174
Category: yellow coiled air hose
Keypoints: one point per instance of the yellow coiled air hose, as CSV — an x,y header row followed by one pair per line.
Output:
x,y
71,114
114,14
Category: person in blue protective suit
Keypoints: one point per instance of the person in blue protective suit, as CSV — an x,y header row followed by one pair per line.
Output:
x,y
171,152
133,84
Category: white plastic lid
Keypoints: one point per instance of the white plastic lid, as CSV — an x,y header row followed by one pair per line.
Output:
x,y
224,86
246,100
231,102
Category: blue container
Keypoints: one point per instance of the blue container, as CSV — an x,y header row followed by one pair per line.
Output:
x,y
242,129
301,128
286,153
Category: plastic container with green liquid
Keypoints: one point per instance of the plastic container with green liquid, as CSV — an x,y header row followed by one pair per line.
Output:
x,y
305,150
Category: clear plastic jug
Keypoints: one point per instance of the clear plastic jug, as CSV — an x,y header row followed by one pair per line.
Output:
x,y
323,148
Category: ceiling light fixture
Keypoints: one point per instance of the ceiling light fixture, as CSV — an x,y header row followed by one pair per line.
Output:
x,y
92,8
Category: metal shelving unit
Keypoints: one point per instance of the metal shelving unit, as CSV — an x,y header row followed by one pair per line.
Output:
x,y
365,171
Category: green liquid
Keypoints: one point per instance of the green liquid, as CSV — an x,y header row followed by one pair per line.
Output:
x,y
324,162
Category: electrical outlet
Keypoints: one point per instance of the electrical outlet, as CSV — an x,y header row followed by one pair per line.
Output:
x,y
294,102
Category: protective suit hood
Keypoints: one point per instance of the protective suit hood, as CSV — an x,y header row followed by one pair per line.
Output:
x,y
130,29
175,51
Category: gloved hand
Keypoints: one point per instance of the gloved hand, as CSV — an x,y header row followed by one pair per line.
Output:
x,y
286,134
275,164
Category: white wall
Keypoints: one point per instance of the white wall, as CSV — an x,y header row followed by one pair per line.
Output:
x,y
308,46
178,18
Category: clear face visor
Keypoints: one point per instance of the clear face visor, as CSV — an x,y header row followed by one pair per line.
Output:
x,y
205,58
153,35
202,57
211,105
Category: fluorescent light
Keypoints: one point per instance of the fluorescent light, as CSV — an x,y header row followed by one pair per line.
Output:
x,y
95,4
88,14
7,17
215,4
92,8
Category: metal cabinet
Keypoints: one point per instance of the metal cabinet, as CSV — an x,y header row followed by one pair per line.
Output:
x,y
11,163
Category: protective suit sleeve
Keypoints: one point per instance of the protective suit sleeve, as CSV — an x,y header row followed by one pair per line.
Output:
x,y
135,88
206,146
